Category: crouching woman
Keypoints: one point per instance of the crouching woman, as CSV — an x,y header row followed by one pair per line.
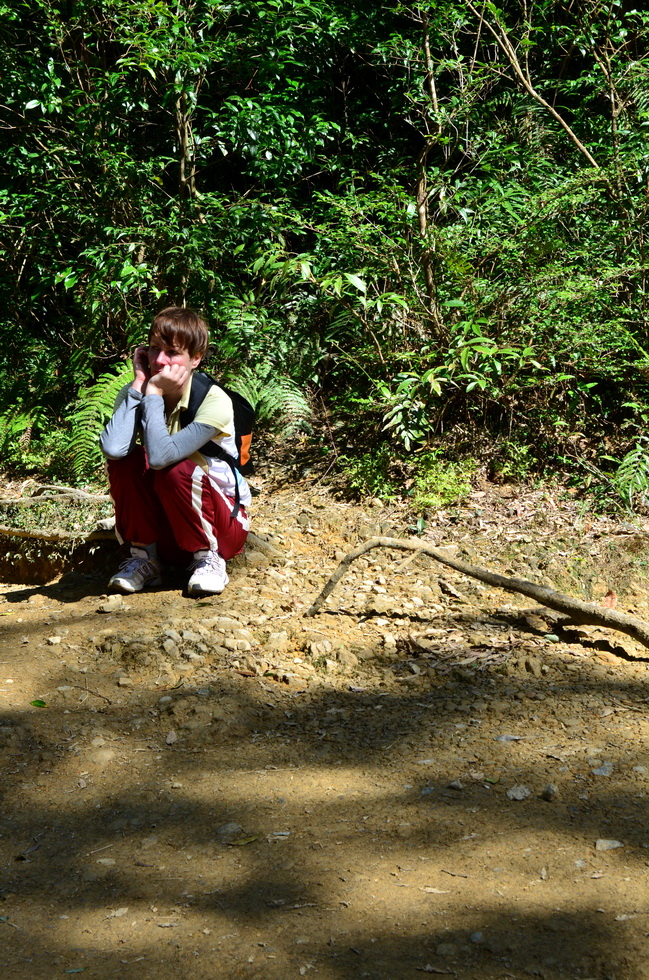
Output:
x,y
173,503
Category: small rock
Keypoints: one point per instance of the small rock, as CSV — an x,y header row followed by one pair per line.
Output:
x,y
550,792
519,792
193,658
605,769
101,756
255,558
346,657
123,681
569,722
533,666
278,642
170,647
171,737
53,640
607,845
379,605
455,784
113,603
229,830
446,949
173,635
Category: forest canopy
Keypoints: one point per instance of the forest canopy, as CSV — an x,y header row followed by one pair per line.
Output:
x,y
430,217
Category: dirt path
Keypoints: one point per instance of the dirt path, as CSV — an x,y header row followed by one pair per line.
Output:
x,y
415,781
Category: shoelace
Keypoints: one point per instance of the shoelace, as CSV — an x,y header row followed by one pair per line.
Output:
x,y
134,564
211,561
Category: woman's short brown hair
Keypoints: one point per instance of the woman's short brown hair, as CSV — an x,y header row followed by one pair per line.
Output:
x,y
182,328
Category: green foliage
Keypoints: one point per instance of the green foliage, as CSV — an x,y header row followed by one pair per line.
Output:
x,y
375,200
631,478
439,483
49,512
28,446
16,425
512,460
368,475
407,413
277,400
92,410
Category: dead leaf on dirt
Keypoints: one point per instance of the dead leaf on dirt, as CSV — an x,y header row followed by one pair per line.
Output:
x,y
117,913
242,841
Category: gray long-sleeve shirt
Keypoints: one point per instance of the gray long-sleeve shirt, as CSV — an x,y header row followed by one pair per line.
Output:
x,y
137,412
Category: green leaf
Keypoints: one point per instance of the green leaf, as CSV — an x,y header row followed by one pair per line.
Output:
x,y
356,281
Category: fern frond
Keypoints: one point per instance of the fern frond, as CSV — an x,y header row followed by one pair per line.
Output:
x,y
278,401
14,423
632,476
93,408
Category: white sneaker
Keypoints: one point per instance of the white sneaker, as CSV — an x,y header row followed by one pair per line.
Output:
x,y
136,572
208,574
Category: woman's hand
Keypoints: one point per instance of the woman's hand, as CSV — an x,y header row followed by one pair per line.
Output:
x,y
141,372
170,382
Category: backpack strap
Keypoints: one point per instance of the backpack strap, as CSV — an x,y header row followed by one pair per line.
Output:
x,y
201,384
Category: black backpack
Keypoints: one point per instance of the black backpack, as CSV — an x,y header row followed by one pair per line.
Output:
x,y
244,418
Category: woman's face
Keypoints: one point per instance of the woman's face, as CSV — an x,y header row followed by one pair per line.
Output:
x,y
162,355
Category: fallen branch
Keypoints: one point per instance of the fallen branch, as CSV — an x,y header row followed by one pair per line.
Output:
x,y
84,494
580,613
104,532
258,542
44,498
57,534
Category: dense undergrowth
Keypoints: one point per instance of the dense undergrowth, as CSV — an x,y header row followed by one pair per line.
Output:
x,y
418,232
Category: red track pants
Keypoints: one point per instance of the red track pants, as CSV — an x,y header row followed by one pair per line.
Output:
x,y
179,507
